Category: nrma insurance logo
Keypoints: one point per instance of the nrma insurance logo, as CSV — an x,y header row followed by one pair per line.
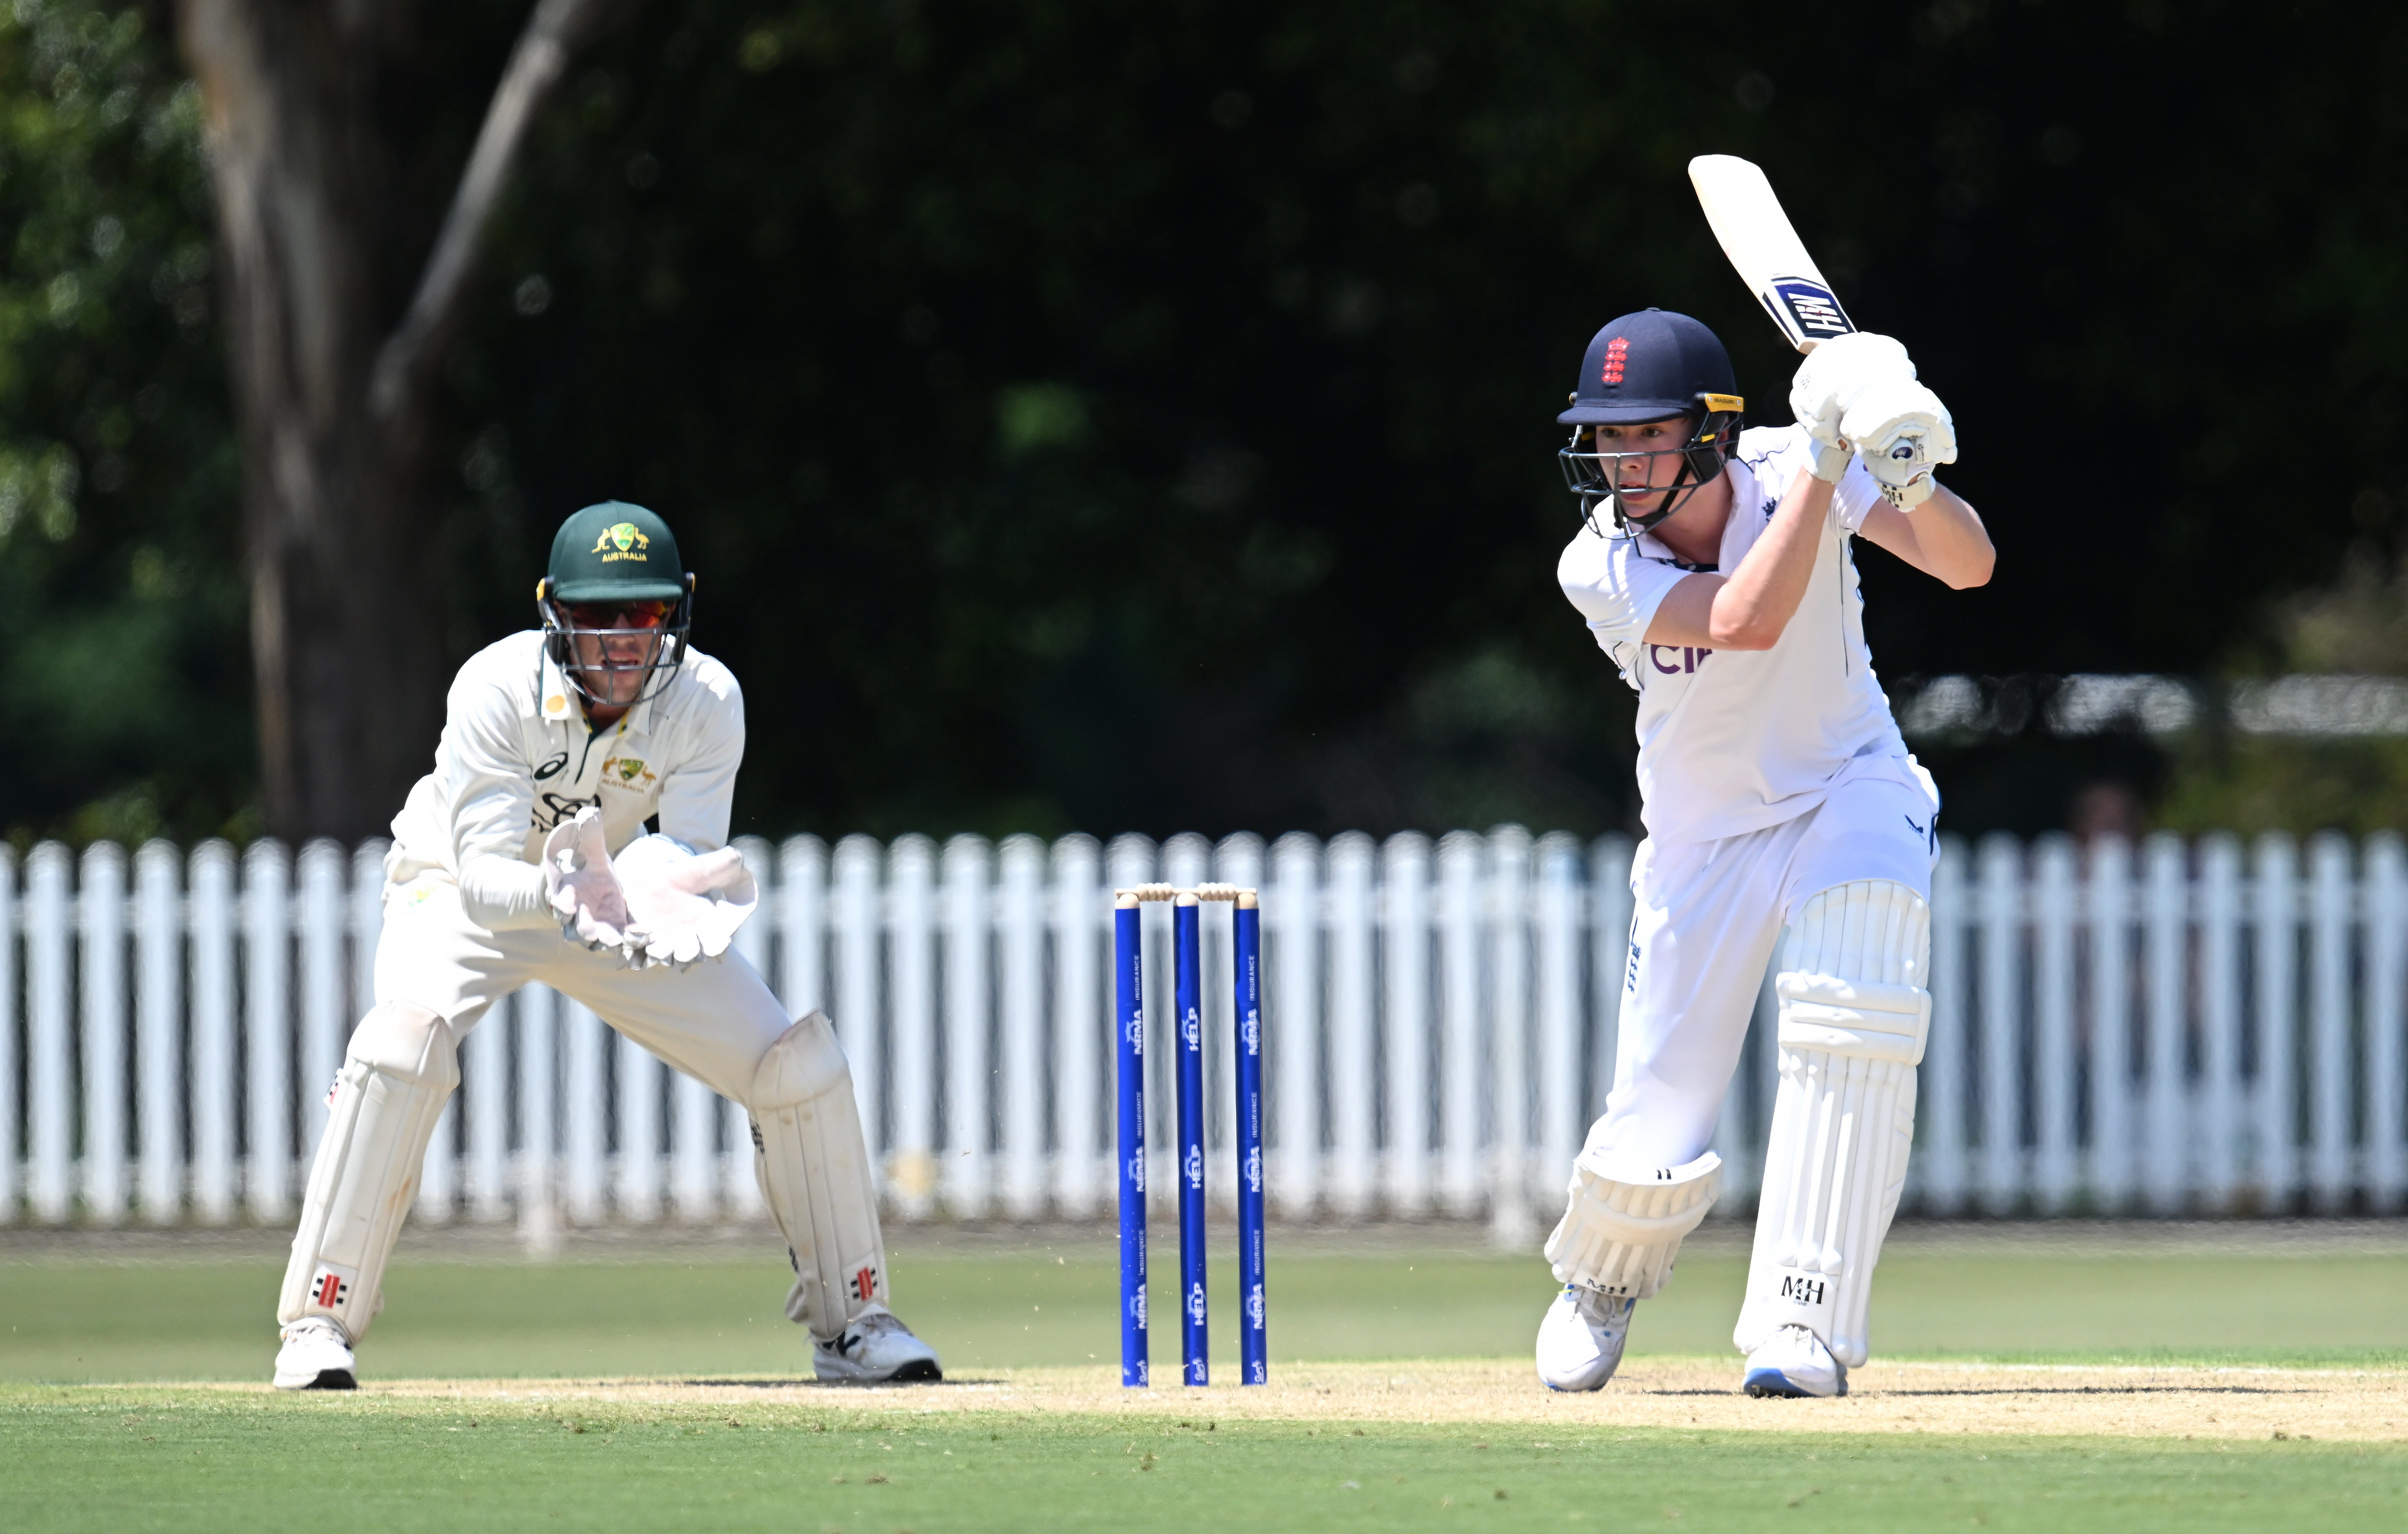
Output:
x,y
1254,1171
1137,1171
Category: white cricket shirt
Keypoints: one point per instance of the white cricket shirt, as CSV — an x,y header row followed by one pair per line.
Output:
x,y
517,758
1732,741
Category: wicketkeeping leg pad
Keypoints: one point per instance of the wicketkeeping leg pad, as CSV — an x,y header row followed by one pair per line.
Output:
x,y
1621,1228
815,1173
1855,1015
400,1067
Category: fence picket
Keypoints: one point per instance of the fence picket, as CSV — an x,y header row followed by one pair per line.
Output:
x,y
2110,909
2274,947
1074,900
2166,952
1353,1094
2387,1166
10,1060
50,1096
1938,1167
2333,1076
1405,992
2223,1093
159,1026
100,919
215,1171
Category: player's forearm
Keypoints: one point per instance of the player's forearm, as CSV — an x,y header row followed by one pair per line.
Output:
x,y
1754,606
1955,547
504,893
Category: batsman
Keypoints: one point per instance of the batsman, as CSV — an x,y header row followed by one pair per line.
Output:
x,y
1716,567
574,833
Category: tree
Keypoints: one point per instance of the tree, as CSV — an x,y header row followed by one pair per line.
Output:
x,y
121,659
344,272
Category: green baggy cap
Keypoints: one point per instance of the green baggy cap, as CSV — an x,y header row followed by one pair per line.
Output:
x,y
616,551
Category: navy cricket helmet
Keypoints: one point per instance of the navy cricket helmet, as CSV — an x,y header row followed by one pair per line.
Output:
x,y
1651,366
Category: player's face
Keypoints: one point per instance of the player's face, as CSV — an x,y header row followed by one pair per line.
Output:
x,y
615,641
1660,442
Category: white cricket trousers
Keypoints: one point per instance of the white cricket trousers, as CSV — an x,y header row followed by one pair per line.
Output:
x,y
714,1020
1704,918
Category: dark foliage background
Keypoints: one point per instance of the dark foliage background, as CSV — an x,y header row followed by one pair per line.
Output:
x,y
1083,415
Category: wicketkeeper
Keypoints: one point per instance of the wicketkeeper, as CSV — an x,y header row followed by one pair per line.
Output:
x,y
1717,568
574,832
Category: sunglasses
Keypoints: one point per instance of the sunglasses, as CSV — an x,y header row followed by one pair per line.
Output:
x,y
592,615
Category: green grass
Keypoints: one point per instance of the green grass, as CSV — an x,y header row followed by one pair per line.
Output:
x,y
717,1313
124,1460
159,1454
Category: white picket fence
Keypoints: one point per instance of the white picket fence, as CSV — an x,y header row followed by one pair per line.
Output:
x,y
2169,1029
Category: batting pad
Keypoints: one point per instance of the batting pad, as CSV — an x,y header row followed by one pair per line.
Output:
x,y
1619,1234
814,1166
1853,1018
400,1067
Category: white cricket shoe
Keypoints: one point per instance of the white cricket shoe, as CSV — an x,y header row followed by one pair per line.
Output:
x,y
875,1348
316,1355
1794,1362
1581,1338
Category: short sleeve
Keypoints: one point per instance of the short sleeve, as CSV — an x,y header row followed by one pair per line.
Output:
x,y
698,793
1615,587
1855,495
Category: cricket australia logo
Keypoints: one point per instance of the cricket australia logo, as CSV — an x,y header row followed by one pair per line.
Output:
x,y
620,540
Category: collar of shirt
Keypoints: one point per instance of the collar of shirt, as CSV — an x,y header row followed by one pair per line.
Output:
x,y
1743,483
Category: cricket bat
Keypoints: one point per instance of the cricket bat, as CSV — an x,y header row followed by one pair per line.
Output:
x,y
1772,260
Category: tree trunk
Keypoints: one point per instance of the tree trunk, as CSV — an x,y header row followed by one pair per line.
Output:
x,y
334,363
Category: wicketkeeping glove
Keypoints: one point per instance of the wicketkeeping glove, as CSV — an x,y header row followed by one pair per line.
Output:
x,y
1902,433
583,892
1829,382
686,904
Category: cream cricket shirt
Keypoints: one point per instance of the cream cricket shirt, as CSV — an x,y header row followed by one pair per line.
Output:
x,y
1733,741
517,758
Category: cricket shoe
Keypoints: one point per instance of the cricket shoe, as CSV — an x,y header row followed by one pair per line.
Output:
x,y
1581,1338
1794,1362
316,1355
874,1348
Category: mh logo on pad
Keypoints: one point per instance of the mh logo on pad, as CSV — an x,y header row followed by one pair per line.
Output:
x,y
1814,312
1804,1290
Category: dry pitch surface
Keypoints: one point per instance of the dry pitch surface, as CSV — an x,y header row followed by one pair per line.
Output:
x,y
2369,1406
